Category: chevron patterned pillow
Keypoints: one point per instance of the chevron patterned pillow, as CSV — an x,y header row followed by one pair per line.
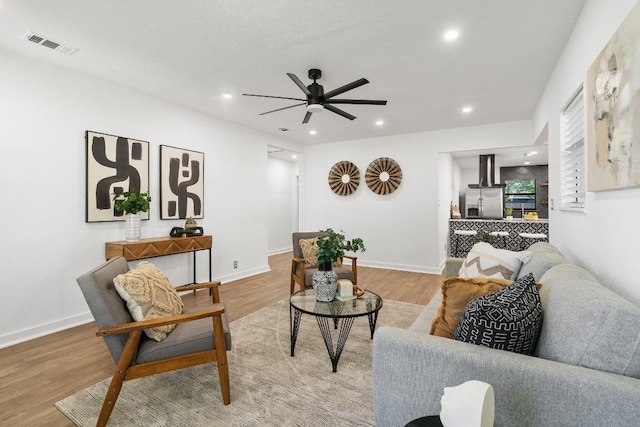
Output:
x,y
483,260
509,319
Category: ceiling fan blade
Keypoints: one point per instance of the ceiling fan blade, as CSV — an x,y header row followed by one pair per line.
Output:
x,y
299,83
339,111
306,117
280,109
357,101
345,88
277,97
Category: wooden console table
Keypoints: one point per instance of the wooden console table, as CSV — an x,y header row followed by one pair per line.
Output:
x,y
160,246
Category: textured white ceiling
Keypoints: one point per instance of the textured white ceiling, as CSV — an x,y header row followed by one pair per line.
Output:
x,y
191,52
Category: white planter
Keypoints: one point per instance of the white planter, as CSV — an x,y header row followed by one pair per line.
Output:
x,y
325,285
132,227
509,218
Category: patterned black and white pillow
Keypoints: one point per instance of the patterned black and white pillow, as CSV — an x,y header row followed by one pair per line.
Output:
x,y
509,319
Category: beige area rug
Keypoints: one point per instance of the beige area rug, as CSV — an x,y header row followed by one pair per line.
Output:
x,y
268,386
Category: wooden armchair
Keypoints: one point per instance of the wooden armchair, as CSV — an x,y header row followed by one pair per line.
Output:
x,y
301,274
201,334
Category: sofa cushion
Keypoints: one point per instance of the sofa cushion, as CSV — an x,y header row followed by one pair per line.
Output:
x,y
456,294
588,325
149,295
509,319
543,257
483,260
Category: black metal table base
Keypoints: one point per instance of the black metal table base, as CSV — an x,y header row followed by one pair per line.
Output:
x,y
323,323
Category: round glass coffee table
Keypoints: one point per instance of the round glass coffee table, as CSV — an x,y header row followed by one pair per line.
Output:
x,y
343,314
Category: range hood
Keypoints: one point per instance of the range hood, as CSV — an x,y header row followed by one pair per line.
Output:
x,y
486,172
485,199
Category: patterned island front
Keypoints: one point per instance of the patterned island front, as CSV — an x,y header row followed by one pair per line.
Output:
x,y
460,244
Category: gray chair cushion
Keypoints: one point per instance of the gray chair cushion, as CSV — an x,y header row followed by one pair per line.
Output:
x,y
586,324
107,307
187,337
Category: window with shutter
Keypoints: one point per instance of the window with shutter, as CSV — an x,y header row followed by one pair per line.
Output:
x,y
573,172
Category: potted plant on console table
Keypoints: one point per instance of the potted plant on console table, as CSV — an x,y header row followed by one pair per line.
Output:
x,y
132,203
331,248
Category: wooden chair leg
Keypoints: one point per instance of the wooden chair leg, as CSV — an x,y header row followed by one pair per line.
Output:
x,y
223,367
118,378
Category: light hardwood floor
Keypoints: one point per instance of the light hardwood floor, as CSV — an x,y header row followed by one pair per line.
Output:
x,y
36,374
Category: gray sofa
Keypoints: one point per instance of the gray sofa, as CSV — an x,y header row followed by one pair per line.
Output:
x,y
586,370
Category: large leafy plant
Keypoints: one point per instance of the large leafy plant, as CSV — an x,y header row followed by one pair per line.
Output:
x,y
132,201
332,246
485,236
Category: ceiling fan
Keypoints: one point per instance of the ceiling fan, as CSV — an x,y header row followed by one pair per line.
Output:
x,y
317,100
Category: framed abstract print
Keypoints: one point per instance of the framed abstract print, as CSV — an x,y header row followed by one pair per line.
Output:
x,y
115,164
181,183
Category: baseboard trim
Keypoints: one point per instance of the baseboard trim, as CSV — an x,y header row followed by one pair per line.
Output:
x,y
243,274
400,267
279,251
45,329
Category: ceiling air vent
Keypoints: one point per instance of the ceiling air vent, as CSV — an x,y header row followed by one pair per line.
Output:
x,y
46,42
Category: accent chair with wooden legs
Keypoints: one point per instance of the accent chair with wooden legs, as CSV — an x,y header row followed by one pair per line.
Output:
x,y
302,271
201,334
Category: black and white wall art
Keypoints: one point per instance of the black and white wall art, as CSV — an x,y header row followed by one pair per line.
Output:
x,y
115,164
181,183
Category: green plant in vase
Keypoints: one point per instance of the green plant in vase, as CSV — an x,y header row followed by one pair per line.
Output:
x,y
333,246
132,202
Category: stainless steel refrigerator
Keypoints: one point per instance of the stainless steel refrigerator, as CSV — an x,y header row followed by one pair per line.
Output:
x,y
484,202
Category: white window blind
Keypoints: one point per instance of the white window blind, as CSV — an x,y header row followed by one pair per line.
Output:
x,y
573,172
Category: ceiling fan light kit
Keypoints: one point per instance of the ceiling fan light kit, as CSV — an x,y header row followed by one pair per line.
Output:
x,y
317,100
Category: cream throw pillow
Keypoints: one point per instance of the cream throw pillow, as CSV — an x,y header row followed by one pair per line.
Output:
x,y
149,295
309,252
484,260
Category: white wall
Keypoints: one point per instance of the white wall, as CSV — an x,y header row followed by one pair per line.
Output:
x,y
44,112
283,204
605,238
400,230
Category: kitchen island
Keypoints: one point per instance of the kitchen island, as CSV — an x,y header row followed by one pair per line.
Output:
x,y
459,246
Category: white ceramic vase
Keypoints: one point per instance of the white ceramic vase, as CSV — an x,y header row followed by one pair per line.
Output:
x,y
132,227
325,285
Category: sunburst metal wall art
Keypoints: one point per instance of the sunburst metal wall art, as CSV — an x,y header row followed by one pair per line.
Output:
x,y
383,176
344,178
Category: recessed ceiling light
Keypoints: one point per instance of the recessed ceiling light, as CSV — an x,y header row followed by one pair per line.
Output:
x,y
312,132
534,152
467,109
227,96
294,156
451,35
527,163
379,123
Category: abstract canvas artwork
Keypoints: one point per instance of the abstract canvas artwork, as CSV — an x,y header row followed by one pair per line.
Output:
x,y
181,183
613,110
114,165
